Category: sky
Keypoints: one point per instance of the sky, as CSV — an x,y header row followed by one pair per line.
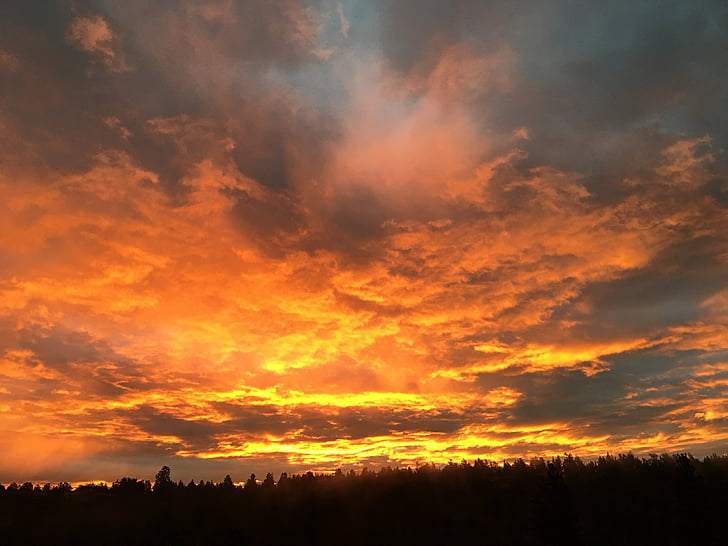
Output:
x,y
263,236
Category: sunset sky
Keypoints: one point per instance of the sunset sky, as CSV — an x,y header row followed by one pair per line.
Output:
x,y
261,236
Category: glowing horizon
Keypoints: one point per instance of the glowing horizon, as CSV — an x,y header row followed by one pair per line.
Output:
x,y
282,236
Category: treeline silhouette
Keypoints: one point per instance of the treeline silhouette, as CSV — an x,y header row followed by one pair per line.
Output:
x,y
661,499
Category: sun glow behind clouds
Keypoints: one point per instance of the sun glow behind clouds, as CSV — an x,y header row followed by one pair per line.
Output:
x,y
326,253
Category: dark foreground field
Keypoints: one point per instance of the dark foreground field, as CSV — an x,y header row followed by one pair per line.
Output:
x,y
667,499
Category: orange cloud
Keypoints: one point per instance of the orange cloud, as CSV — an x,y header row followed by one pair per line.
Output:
x,y
93,35
306,254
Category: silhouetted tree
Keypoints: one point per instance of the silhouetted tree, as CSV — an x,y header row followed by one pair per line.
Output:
x,y
661,499
251,483
131,485
268,482
163,480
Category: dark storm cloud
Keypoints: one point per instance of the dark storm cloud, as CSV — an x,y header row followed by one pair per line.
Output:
x,y
59,105
567,395
611,75
79,363
668,292
273,32
50,112
218,61
247,423
592,83
557,402
357,423
274,224
641,392
59,348
197,433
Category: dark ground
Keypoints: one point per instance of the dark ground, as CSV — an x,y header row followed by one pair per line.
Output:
x,y
667,499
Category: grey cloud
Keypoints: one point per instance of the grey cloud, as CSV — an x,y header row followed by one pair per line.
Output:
x,y
55,106
274,224
83,362
156,422
358,304
303,422
58,348
46,101
589,79
668,292
272,32
642,392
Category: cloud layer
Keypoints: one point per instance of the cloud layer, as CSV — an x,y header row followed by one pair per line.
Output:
x,y
263,236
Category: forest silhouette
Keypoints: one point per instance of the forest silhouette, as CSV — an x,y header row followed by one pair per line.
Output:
x,y
660,499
